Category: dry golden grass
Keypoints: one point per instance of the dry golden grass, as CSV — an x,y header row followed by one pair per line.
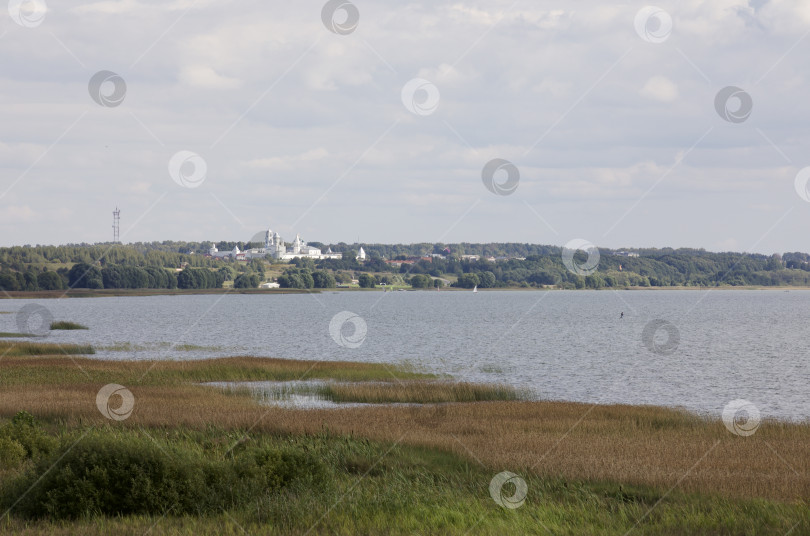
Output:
x,y
56,369
410,391
641,445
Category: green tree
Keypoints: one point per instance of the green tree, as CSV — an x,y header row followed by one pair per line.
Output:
x,y
323,279
8,281
290,281
366,281
226,272
467,281
486,279
83,275
421,281
594,281
247,280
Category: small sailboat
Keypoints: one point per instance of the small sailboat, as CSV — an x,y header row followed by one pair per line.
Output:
x,y
475,288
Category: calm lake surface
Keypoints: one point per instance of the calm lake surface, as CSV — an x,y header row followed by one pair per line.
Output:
x,y
564,345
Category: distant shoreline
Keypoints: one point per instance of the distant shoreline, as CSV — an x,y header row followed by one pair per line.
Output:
x,y
100,293
121,292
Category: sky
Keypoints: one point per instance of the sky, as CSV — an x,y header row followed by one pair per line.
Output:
x,y
401,122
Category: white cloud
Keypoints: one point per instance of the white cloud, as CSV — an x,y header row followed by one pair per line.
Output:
x,y
659,88
287,163
281,108
17,214
205,77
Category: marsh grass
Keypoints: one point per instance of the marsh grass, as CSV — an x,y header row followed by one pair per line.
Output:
x,y
416,392
156,346
655,447
376,392
230,482
65,325
5,334
53,370
16,349
196,348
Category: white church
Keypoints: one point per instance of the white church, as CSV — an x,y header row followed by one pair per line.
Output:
x,y
277,249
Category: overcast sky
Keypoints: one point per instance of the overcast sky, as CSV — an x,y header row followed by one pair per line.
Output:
x,y
290,118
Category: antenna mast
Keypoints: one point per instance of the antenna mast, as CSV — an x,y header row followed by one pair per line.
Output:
x,y
116,225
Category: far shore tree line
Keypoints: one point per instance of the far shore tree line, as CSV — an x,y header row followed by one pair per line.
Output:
x,y
183,265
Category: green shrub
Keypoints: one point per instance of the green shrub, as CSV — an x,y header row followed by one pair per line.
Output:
x,y
24,431
119,475
12,453
279,468
109,477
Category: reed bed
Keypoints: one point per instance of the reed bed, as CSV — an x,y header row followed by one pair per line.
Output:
x,y
54,370
416,392
12,334
65,325
157,346
649,446
325,483
14,349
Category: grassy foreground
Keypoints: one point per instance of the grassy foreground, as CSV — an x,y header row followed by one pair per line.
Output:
x,y
196,460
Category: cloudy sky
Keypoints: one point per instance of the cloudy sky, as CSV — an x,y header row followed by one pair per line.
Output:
x,y
376,120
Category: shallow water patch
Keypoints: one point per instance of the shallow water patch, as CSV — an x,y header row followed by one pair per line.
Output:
x,y
296,394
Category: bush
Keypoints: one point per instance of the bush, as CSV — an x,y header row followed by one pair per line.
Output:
x,y
12,453
23,438
116,476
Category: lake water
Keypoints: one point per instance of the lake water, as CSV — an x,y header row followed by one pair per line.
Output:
x,y
567,345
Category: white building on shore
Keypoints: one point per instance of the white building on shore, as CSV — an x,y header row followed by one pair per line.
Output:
x,y
276,248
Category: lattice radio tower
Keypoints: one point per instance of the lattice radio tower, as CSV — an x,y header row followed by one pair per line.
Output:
x,y
116,225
